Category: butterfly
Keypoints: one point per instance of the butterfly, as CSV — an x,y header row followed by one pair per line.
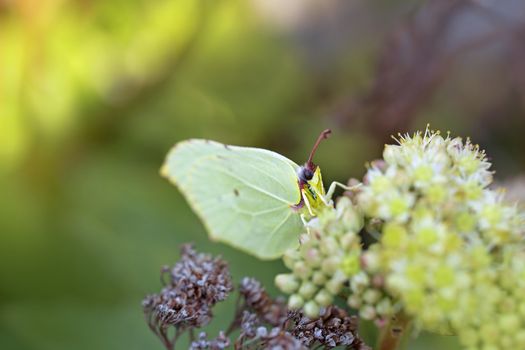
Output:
x,y
253,199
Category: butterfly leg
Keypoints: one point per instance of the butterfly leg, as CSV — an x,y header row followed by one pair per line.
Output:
x,y
303,219
307,202
333,186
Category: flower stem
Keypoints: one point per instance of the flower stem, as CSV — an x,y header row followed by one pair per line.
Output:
x,y
394,333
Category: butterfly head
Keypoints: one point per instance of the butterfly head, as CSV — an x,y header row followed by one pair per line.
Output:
x,y
310,180
309,171
306,173
311,176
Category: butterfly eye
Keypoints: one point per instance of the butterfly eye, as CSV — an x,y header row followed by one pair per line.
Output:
x,y
305,174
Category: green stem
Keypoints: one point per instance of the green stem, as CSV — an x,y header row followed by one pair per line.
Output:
x,y
394,333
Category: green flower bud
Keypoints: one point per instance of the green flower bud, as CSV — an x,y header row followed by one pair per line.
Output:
x,y
423,174
301,270
367,312
465,221
307,290
436,193
354,301
371,261
329,246
331,264
359,282
444,276
290,258
319,278
371,296
334,286
392,154
384,307
348,240
324,298
351,265
311,309
394,235
312,256
287,283
352,219
295,302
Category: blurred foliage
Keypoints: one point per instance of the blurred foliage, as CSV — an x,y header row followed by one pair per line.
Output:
x,y
93,93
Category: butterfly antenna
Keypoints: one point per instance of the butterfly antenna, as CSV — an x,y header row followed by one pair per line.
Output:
x,y
324,135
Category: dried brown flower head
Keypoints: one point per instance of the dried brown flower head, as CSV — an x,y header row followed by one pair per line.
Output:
x,y
333,328
197,282
272,311
220,343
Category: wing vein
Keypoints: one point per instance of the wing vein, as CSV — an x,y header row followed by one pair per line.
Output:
x,y
281,224
253,187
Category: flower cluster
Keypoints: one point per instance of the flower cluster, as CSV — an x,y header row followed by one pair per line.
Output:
x,y
438,245
446,242
331,262
368,295
256,300
291,329
493,314
220,343
329,255
333,328
254,335
444,179
197,282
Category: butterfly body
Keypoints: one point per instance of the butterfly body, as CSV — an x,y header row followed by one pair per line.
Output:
x,y
312,190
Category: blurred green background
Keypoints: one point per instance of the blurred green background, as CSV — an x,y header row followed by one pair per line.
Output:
x,y
94,93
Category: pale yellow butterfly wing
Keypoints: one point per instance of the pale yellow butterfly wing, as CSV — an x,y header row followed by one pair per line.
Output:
x,y
243,195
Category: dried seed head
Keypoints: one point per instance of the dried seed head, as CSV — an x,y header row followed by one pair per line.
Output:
x,y
221,342
257,300
333,328
196,283
278,339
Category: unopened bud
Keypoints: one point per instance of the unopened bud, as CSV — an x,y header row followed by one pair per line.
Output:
x,y
371,296
347,240
312,256
319,278
331,264
392,154
295,302
354,301
307,290
384,307
286,282
290,257
311,309
324,298
335,284
301,270
329,246
367,312
353,220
